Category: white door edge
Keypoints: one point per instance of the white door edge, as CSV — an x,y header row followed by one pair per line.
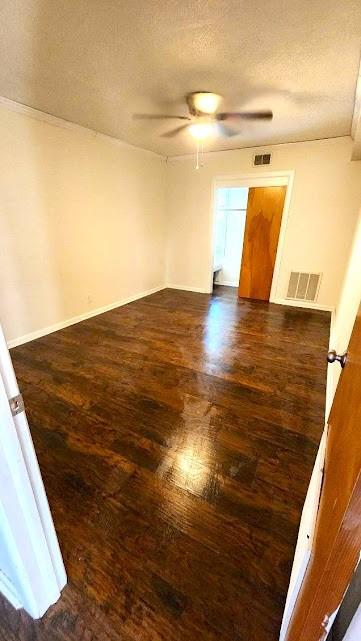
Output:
x,y
23,433
34,571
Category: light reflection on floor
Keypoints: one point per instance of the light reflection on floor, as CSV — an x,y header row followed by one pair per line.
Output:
x,y
217,336
190,462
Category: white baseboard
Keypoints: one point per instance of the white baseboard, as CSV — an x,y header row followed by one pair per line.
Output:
x,y
77,319
186,288
7,590
302,303
226,283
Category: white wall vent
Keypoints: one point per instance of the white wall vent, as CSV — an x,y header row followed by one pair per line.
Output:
x,y
261,159
303,286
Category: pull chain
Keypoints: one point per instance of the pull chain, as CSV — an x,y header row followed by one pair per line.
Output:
x,y
199,155
197,163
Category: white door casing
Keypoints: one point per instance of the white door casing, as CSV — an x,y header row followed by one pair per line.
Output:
x,y
33,573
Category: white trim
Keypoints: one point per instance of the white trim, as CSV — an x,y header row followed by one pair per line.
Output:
x,y
186,288
303,548
306,534
357,106
8,591
22,530
333,323
356,121
302,303
77,319
330,377
42,116
26,444
226,283
265,148
256,179
282,235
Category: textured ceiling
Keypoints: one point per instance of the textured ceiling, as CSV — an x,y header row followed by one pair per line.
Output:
x,y
96,62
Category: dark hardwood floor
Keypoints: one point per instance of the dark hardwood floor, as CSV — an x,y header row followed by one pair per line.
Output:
x,y
176,437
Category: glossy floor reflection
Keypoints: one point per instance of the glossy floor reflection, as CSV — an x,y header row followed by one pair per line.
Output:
x,y
176,437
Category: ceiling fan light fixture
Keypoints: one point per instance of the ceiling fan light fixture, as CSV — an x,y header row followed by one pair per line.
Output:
x,y
201,130
206,102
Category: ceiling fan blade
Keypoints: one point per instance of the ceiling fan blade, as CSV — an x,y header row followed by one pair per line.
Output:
x,y
245,115
174,132
158,117
225,131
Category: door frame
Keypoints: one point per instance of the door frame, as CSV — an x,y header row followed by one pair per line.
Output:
x,y
32,549
280,178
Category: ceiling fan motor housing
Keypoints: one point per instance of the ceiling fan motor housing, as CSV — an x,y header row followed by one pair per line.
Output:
x,y
203,103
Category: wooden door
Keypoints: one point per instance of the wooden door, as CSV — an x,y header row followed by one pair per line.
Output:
x,y
337,540
263,223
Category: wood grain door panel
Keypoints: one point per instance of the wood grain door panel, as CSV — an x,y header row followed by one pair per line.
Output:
x,y
263,223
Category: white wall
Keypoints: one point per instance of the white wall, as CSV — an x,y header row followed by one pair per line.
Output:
x,y
82,223
83,219
325,201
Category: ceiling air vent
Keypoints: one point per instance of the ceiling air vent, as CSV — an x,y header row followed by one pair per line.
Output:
x,y
262,159
303,286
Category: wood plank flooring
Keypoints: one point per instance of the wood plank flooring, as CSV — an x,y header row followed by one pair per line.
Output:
x,y
176,437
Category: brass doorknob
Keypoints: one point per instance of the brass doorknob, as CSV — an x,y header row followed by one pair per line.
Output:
x,y
332,356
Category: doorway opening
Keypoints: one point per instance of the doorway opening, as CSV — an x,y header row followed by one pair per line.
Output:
x,y
229,226
248,229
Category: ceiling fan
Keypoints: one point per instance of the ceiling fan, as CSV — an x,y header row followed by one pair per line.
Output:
x,y
204,120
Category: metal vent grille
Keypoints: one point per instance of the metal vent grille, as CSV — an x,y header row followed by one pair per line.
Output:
x,y
303,286
262,159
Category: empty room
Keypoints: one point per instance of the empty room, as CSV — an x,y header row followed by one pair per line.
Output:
x,y
180,321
